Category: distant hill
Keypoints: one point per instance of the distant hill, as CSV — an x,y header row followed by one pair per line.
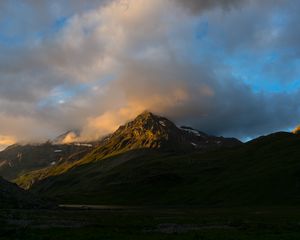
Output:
x,y
146,132
264,171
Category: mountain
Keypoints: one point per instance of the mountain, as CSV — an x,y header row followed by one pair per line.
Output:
x,y
151,161
264,171
146,133
19,159
155,132
11,196
66,137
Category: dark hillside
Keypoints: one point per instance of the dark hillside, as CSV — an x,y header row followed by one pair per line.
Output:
x,y
262,172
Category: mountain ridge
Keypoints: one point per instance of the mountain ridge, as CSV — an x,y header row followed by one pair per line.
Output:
x,y
151,161
146,131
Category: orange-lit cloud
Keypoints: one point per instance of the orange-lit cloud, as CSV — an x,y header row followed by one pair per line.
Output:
x,y
69,138
296,130
6,141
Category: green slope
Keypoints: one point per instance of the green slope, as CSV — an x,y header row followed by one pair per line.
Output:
x,y
265,171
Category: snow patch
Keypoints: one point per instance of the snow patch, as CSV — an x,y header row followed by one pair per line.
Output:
x,y
162,123
195,132
83,144
3,163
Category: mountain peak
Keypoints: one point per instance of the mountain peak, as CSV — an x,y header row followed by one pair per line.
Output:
x,y
146,114
148,130
147,124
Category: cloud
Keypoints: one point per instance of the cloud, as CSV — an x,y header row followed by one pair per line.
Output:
x,y
196,6
110,60
296,130
6,141
28,18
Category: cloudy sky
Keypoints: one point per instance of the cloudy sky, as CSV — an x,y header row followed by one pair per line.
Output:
x,y
226,67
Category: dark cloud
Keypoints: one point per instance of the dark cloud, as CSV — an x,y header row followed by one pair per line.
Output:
x,y
197,6
194,95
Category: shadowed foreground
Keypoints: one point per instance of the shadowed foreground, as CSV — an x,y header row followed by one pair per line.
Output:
x,y
152,223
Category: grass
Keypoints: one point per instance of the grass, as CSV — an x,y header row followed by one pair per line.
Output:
x,y
259,223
